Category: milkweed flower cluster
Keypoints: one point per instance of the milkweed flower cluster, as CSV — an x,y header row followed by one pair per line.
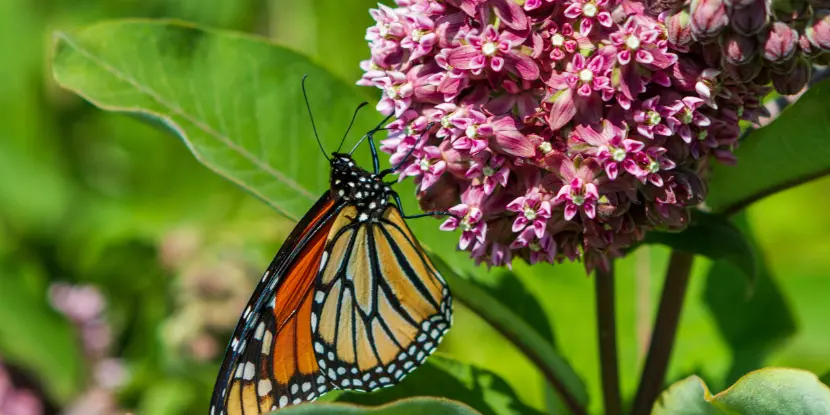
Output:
x,y
566,129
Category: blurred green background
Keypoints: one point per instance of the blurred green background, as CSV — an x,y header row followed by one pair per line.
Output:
x,y
102,208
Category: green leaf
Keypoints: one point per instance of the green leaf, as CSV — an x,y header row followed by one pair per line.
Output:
x,y
766,391
713,236
789,151
34,336
556,370
413,406
441,376
234,100
752,325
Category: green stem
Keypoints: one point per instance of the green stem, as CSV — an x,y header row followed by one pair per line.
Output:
x,y
553,367
663,335
607,328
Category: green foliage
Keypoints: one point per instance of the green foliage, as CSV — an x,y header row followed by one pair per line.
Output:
x,y
443,377
784,154
35,337
713,236
766,391
234,100
438,406
752,323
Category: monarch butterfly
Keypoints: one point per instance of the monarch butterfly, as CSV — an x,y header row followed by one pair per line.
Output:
x,y
350,301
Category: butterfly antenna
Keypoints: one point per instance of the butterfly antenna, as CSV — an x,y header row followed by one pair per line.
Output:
x,y
372,131
311,117
354,116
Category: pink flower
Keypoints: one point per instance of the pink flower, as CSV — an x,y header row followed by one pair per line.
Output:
x,y
581,191
541,249
468,216
638,44
427,168
421,37
532,210
488,170
490,51
397,93
475,131
683,115
619,152
649,120
588,11
579,92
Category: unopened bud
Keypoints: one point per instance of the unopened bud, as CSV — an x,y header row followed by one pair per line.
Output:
x,y
738,49
793,82
744,72
708,18
818,31
679,29
780,43
751,19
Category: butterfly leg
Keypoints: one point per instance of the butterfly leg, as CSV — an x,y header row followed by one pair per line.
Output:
x,y
420,215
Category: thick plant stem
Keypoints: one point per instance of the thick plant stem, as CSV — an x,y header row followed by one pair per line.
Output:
x,y
663,335
607,327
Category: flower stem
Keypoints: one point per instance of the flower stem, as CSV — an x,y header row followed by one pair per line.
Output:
x,y
665,329
607,326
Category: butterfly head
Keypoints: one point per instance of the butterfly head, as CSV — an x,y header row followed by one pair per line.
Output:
x,y
367,192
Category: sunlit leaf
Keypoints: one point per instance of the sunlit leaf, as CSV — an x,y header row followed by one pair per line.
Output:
x,y
555,368
234,100
440,376
789,151
412,406
766,391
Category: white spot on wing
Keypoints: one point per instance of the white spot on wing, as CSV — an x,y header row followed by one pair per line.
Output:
x,y
264,387
249,371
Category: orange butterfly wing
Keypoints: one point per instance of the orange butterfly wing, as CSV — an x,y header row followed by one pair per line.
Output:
x,y
270,362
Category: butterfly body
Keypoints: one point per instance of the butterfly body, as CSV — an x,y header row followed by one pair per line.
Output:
x,y
350,301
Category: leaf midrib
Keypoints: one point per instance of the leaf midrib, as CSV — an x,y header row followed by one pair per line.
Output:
x,y
196,121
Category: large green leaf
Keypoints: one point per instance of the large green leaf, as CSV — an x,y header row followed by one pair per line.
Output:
x,y
440,376
234,100
713,236
555,369
766,391
789,151
412,406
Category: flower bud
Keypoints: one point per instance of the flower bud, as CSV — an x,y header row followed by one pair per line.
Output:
x,y
678,28
738,49
795,81
751,19
780,43
744,72
818,31
709,18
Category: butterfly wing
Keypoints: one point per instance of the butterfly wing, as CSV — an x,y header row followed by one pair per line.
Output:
x,y
380,306
270,362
